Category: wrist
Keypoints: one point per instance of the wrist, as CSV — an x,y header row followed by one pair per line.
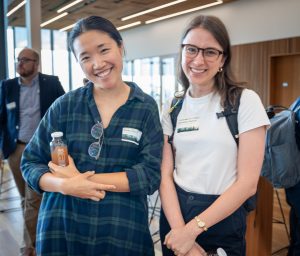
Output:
x,y
62,184
200,223
193,228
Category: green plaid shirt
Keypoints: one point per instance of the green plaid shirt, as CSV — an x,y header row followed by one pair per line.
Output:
x,y
117,225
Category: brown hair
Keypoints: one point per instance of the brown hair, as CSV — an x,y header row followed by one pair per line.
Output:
x,y
225,82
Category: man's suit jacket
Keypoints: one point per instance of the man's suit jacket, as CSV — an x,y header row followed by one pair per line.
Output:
x,y
50,90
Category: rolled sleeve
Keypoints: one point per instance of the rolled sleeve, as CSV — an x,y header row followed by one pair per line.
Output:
x,y
144,177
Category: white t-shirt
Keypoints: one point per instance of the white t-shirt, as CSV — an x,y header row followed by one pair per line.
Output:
x,y
206,153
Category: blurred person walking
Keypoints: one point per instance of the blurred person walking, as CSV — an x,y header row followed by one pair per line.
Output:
x,y
23,102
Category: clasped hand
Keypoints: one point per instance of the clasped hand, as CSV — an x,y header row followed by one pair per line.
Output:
x,y
78,184
182,242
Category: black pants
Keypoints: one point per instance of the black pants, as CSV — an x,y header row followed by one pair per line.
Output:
x,y
293,199
228,234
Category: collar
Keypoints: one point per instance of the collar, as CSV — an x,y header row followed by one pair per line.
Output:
x,y
135,92
34,80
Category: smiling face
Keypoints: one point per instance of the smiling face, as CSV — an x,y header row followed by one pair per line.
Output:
x,y
100,58
200,71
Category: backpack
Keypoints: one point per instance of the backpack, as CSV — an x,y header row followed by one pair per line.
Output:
x,y
281,164
230,113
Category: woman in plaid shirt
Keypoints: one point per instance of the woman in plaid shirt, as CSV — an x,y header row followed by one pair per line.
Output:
x,y
97,205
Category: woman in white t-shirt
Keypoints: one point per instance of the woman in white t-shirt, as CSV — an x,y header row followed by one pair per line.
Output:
x,y
203,194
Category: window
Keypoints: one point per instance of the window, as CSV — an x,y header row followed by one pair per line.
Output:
x,y
61,58
77,73
46,52
10,53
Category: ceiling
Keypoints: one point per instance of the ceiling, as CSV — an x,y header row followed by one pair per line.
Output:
x,y
113,10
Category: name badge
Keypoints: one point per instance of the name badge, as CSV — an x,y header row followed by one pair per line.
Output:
x,y
11,105
187,125
131,135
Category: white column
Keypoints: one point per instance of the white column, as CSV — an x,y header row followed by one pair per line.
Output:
x,y
33,22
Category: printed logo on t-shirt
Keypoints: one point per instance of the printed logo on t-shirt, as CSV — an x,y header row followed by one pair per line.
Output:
x,y
187,125
131,135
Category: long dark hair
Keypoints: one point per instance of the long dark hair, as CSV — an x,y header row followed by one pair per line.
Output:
x,y
94,23
224,81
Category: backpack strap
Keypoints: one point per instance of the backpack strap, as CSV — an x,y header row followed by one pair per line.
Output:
x,y
174,110
230,112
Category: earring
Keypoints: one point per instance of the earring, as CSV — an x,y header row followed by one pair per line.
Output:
x,y
220,69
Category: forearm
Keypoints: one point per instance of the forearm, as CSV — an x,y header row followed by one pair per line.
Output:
x,y
119,179
50,183
170,203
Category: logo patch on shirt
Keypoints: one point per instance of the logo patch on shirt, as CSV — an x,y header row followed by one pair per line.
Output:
x,y
131,135
11,105
187,125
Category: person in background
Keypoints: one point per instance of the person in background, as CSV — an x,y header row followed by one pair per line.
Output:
x,y
293,195
97,205
202,198
23,102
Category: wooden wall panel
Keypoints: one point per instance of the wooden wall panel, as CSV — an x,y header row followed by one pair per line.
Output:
x,y
251,62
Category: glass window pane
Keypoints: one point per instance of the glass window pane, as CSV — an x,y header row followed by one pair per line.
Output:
x,y
60,58
168,78
10,53
46,53
127,71
77,73
21,39
147,76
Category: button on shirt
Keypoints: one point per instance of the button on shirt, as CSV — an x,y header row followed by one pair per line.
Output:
x,y
30,115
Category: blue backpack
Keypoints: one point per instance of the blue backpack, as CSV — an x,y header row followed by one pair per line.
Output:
x,y
230,113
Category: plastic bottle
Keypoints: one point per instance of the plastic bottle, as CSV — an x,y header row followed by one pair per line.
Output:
x,y
218,252
59,150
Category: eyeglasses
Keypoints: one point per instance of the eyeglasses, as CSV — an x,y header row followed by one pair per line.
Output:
x,y
24,60
98,134
209,54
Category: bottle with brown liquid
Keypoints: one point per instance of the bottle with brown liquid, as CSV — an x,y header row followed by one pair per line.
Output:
x,y
59,150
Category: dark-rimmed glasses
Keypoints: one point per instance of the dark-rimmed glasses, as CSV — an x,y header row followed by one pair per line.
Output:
x,y
24,60
98,134
209,54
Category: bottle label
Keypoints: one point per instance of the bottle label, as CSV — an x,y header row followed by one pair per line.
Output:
x,y
60,156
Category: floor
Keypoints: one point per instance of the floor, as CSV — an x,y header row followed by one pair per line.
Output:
x,y
11,220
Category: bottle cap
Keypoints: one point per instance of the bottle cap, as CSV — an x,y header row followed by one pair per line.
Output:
x,y
57,134
221,252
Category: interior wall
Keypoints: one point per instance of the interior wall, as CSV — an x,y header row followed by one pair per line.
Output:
x,y
251,62
247,21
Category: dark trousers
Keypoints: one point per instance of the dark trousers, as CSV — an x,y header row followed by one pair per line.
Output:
x,y
30,200
293,199
228,234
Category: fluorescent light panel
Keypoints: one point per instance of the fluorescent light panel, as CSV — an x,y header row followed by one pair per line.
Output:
x,y
184,12
68,6
67,27
152,9
15,8
54,19
129,25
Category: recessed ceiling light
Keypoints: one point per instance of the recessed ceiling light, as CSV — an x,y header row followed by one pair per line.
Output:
x,y
152,9
54,19
130,25
15,8
184,12
68,6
